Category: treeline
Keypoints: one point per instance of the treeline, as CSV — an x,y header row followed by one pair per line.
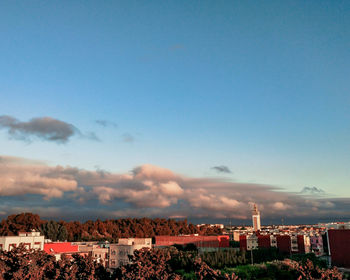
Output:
x,y
109,230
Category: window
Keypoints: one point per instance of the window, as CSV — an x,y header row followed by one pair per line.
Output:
x,y
12,246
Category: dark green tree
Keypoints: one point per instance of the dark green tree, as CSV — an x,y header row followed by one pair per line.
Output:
x,y
54,231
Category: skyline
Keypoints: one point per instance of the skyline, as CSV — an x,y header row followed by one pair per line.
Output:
x,y
232,96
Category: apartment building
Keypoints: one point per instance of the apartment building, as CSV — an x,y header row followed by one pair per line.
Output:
x,y
119,253
287,243
339,247
99,251
316,242
30,240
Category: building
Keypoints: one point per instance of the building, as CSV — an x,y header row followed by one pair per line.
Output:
x,y
256,218
265,241
58,249
316,242
339,247
220,241
337,225
252,242
30,240
119,253
100,255
286,243
234,235
304,244
99,251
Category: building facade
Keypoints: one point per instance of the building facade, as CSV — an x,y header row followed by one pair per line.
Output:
x,y
339,247
316,244
286,243
220,241
100,255
119,253
99,251
30,240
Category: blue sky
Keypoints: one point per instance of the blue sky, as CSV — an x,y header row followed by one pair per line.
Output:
x,y
261,87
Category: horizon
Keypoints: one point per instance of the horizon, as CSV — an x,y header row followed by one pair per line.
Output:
x,y
180,109
200,221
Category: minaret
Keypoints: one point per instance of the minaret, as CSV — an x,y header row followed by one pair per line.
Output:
x,y
256,218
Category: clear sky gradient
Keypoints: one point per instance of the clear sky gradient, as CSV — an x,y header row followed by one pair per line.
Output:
x,y
262,87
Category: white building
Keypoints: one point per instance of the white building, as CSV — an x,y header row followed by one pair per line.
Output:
x,y
252,242
119,253
30,240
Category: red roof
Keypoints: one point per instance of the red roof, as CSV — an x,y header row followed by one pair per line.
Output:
x,y
199,241
60,247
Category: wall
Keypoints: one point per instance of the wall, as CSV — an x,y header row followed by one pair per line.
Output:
x,y
339,243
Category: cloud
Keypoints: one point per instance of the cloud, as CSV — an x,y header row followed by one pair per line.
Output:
x,y
280,206
106,123
18,177
312,191
44,128
222,169
149,190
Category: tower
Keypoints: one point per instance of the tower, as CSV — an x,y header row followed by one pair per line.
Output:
x,y
256,218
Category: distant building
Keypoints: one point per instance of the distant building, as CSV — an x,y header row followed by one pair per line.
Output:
x,y
256,218
235,234
287,243
284,243
337,225
30,240
316,242
100,255
265,241
119,253
220,241
99,251
252,242
339,246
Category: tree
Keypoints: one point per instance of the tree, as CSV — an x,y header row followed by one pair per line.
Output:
x,y
148,264
54,231
204,272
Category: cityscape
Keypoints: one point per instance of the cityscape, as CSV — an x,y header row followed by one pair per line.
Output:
x,y
174,140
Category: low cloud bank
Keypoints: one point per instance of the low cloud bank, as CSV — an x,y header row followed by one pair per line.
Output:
x,y
149,191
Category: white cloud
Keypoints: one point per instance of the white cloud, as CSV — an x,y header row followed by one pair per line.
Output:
x,y
151,190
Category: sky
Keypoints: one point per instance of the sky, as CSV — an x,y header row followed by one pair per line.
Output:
x,y
190,109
